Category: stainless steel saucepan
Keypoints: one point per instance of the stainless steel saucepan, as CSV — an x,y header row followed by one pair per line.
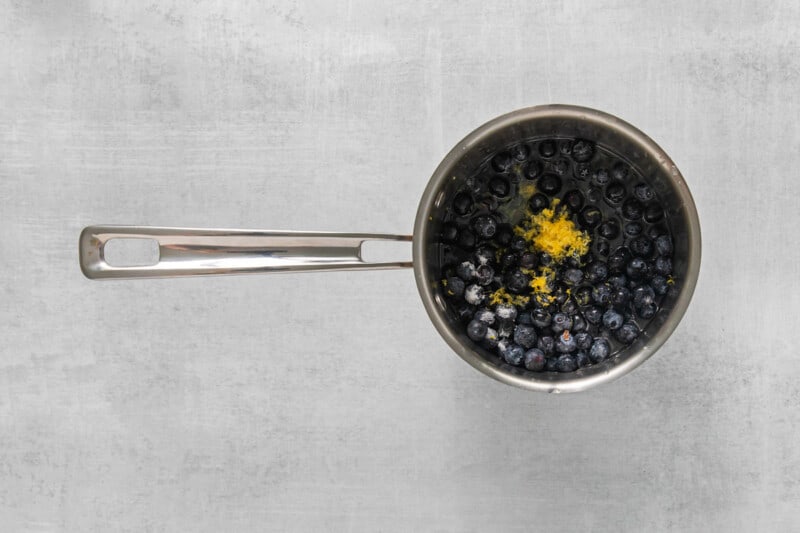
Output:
x,y
199,252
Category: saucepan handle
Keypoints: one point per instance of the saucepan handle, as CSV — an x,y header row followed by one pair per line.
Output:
x,y
207,252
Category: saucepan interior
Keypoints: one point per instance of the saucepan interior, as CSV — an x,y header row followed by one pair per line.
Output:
x,y
557,121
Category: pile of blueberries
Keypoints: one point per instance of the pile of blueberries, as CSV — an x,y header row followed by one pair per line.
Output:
x,y
598,303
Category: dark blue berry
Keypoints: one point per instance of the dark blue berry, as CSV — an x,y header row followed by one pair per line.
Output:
x,y
596,272
528,260
582,150
644,294
620,297
476,330
593,314
627,333
462,204
609,229
499,187
538,202
659,284
484,275
561,321
533,169
525,336
612,319
518,244
620,171
583,340
550,364
525,318
653,212
637,268
569,307
615,193
601,177
474,295
643,192
602,247
601,294
534,359
572,276
600,350
514,354
633,229
565,342
582,360
485,226
467,271
502,161
465,312
506,312
540,317
566,363
641,246
518,282
484,255
560,166
582,296
647,311
546,344
485,316
505,329
664,245
632,209
618,280
491,339
550,184
509,260
545,259
547,148
578,324
573,200
455,287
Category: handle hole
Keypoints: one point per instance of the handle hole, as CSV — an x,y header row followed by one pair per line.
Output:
x,y
125,252
385,251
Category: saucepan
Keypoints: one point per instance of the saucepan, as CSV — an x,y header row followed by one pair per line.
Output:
x,y
201,252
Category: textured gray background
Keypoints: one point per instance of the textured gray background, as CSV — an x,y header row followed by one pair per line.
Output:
x,y
328,402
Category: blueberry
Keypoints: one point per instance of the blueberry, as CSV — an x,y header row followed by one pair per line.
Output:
x,y
620,297
583,340
499,187
485,226
528,260
465,313
566,363
659,284
663,265
467,271
664,245
518,282
520,152
560,166
505,329
506,312
617,262
550,364
620,171
618,280
533,169
596,272
647,311
644,294
502,161
538,202
545,259
509,260
547,148
491,339
582,296
546,344
612,319
525,336
455,287
643,192
550,184
582,150
627,333
601,294
582,360
653,212
600,350
582,171
609,229
484,256
534,359
466,239
476,330
632,209
569,307
641,246
525,318
573,200
633,229
503,235
590,217
561,322
474,294
484,275
637,268
540,317
514,354
602,247
565,342
593,314
518,244
572,276
615,193
462,204
449,233
578,324
601,177
485,316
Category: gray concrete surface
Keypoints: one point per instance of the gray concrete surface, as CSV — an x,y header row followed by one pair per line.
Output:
x,y
328,402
